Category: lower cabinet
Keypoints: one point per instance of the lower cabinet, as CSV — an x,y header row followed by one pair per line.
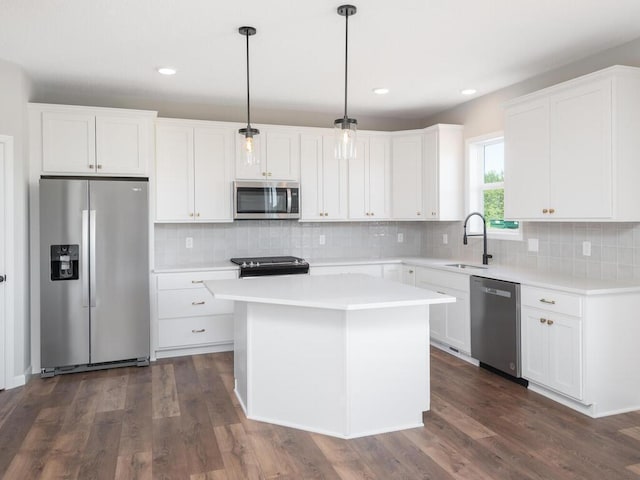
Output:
x,y
552,339
188,316
374,270
450,323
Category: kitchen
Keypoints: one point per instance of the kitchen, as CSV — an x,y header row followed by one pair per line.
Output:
x,y
613,244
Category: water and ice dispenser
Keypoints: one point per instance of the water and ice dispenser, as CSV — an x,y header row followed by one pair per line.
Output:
x,y
64,262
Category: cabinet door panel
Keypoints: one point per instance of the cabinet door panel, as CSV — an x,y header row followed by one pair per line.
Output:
x,y
282,155
580,148
334,176
359,182
68,142
565,355
379,191
174,173
406,168
311,177
534,345
121,145
213,150
526,158
458,324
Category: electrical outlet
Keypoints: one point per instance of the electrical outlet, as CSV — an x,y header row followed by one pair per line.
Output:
x,y
532,244
400,237
188,242
322,239
586,248
445,238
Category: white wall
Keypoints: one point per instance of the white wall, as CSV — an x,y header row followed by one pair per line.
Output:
x,y
14,94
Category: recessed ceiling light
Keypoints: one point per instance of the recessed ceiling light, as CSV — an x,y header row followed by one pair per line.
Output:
x,y
468,91
381,91
167,71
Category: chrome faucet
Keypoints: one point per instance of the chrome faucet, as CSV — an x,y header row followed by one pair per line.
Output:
x,y
485,256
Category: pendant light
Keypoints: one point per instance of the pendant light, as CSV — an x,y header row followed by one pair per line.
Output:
x,y
345,127
248,150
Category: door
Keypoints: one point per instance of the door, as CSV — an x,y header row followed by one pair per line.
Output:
x,y
311,177
334,182
213,157
64,272
68,142
379,185
121,145
119,290
282,157
359,181
6,230
174,173
406,174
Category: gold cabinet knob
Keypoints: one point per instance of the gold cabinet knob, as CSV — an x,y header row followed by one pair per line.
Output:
x,y
99,166
198,214
410,271
418,213
191,214
552,210
543,320
91,166
268,174
549,322
367,214
544,210
372,214
264,174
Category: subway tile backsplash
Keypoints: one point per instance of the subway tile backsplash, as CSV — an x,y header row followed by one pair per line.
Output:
x,y
615,247
219,242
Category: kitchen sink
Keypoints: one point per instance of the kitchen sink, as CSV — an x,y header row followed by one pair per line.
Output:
x,y
464,265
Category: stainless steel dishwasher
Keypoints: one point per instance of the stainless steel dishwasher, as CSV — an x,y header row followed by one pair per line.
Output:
x,y
495,325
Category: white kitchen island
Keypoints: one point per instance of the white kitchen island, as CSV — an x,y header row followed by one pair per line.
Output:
x,y
343,355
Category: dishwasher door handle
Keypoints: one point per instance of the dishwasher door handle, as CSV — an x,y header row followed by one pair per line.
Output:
x,y
495,291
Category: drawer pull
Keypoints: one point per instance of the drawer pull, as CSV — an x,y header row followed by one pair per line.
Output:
x,y
201,330
197,303
543,320
410,271
550,302
441,293
549,322
197,281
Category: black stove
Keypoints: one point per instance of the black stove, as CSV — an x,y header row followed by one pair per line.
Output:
x,y
262,266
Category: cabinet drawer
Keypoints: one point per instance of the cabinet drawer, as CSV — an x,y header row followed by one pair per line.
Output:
x,y
457,281
373,270
183,332
192,279
191,302
551,300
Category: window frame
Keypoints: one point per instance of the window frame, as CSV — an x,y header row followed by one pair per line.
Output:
x,y
475,186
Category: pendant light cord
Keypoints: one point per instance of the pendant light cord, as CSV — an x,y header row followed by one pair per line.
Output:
x,y
346,62
248,96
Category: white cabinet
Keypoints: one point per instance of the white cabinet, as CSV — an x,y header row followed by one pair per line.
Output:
x,y
443,173
189,317
409,275
393,272
370,179
450,323
323,184
194,172
74,140
374,270
278,154
428,174
551,338
571,148
407,176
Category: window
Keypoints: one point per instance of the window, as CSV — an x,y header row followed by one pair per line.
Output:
x,y
485,162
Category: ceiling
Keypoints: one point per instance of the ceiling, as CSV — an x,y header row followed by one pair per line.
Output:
x,y
424,51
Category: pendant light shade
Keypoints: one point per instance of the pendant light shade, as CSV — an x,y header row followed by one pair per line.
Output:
x,y
248,150
345,127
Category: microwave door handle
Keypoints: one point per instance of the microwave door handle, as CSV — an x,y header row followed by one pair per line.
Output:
x,y
289,200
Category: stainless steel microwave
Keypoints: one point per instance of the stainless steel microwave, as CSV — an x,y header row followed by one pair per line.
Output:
x,y
266,200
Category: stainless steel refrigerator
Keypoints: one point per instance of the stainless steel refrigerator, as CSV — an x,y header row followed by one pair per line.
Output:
x,y
94,268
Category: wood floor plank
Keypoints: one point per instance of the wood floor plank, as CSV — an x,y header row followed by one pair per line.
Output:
x,y
633,432
134,467
239,461
346,462
457,418
114,392
169,451
137,423
203,454
215,475
101,453
164,392
219,402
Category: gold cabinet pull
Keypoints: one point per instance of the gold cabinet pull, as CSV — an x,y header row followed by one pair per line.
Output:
x,y
191,214
545,210
548,302
197,281
418,213
99,166
268,174
543,320
198,214
200,330
197,303
410,271
367,214
552,210
549,322
372,214
91,166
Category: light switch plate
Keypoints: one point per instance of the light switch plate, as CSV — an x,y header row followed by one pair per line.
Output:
x,y
586,248
322,239
188,242
400,237
445,238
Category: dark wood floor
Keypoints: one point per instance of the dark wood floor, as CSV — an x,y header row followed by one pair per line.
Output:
x,y
178,419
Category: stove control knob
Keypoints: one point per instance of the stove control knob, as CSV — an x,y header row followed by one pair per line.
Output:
x,y
251,264
257,264
296,262
244,265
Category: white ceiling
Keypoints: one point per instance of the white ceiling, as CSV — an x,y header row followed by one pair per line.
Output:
x,y
424,51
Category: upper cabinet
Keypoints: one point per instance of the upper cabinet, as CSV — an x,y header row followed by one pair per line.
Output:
x,y
370,179
571,150
278,151
70,140
443,172
428,174
324,183
194,171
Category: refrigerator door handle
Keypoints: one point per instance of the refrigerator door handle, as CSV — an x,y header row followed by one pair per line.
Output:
x,y
92,258
84,260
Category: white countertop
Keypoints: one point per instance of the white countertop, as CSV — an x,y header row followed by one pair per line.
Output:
x,y
336,292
